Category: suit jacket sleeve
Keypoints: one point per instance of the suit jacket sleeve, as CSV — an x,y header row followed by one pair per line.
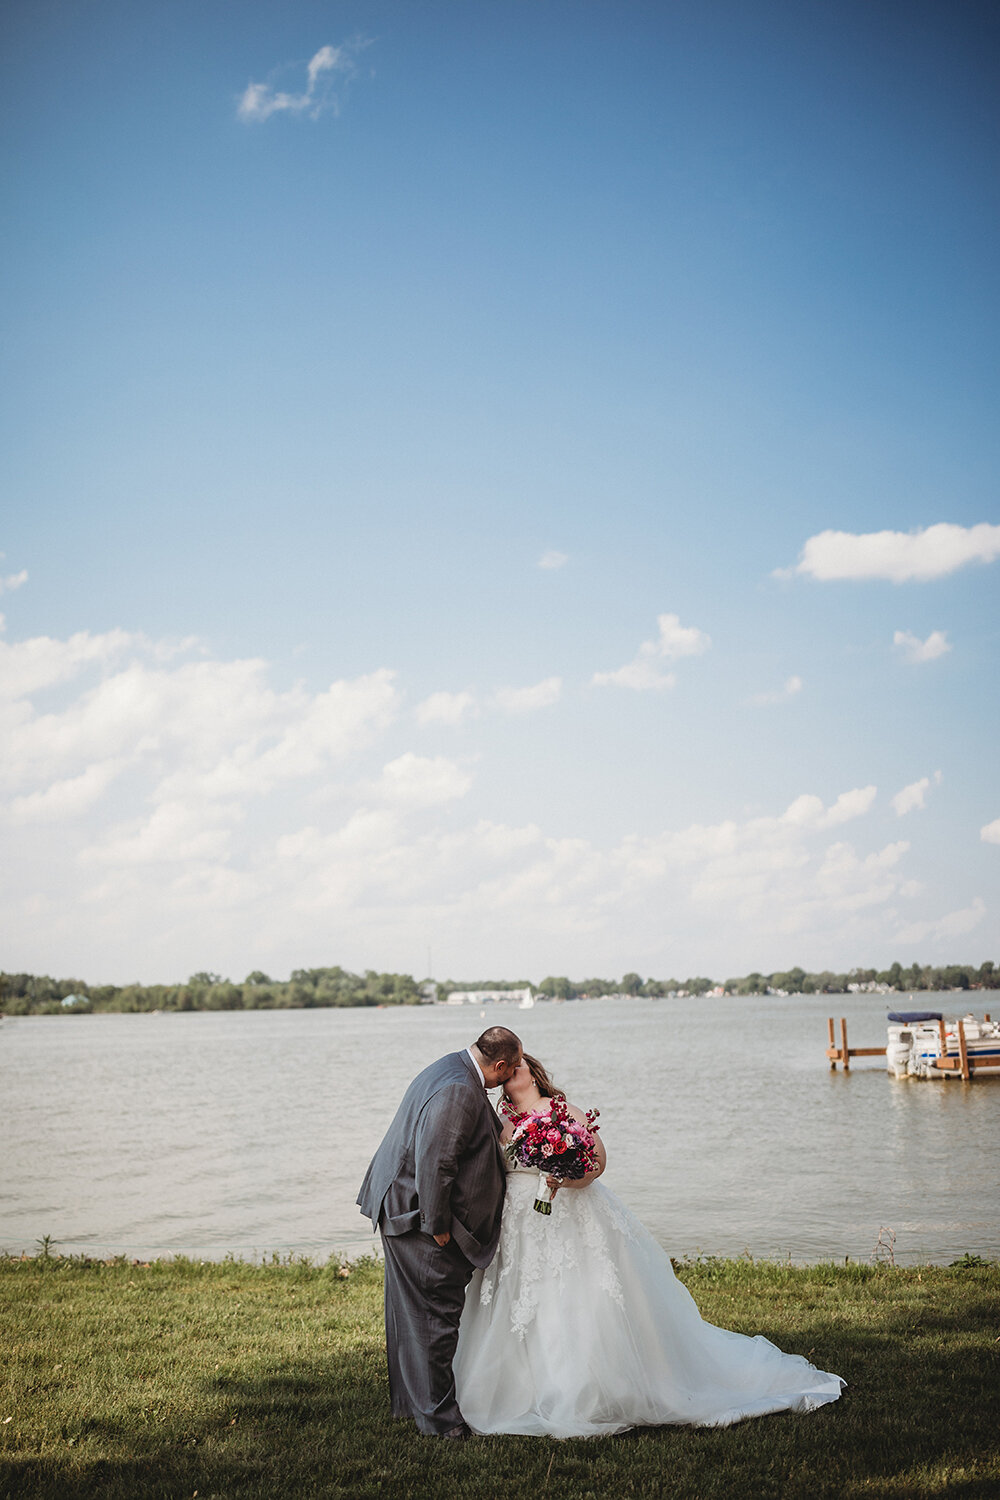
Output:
x,y
443,1132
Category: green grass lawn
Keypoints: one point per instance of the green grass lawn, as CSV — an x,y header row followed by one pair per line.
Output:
x,y
261,1381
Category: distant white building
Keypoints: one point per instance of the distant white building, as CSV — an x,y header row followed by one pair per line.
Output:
x,y
483,997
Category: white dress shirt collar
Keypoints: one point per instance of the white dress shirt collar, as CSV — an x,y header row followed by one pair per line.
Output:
x,y
478,1069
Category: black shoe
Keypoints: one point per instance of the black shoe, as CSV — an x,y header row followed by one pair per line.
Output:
x,y
463,1430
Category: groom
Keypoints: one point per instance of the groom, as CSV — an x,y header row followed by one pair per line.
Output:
x,y
435,1190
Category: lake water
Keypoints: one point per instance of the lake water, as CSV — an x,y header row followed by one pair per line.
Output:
x,y
205,1133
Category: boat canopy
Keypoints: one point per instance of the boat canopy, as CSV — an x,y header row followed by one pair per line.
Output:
x,y
911,1017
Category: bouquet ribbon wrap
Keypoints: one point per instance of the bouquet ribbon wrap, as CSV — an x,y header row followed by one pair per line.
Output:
x,y
543,1200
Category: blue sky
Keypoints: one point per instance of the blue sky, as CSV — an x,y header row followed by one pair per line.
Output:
x,y
514,480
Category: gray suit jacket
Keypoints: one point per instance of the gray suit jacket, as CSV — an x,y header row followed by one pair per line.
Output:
x,y
440,1167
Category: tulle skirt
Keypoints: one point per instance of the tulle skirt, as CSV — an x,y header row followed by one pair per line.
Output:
x,y
579,1328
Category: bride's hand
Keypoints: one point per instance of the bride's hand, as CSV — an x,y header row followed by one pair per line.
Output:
x,y
555,1183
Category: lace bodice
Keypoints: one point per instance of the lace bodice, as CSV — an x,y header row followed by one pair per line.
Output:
x,y
553,1254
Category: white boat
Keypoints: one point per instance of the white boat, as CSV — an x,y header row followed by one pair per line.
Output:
x,y
922,1044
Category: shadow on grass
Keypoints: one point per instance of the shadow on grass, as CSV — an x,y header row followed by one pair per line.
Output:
x,y
321,1428
306,1429
895,1325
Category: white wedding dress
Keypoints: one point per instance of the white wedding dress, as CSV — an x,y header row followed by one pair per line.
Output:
x,y
579,1328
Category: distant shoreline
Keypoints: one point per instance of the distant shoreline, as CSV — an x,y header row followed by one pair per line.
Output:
x,y
337,988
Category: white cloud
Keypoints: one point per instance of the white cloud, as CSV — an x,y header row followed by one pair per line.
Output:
x,y
417,781
916,650
776,871
641,675
178,811
789,688
849,805
68,798
329,65
914,795
209,729
376,871
326,726
324,61
13,581
808,811
553,560
644,671
677,640
41,662
198,742
954,924
898,556
525,700
175,833
786,831
445,708
847,882
990,832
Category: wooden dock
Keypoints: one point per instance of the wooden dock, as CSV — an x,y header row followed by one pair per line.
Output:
x,y
843,1053
966,1064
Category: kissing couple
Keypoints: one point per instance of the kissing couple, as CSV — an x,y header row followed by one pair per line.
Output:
x,y
502,1320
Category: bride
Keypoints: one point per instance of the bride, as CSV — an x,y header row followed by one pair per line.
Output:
x,y
579,1327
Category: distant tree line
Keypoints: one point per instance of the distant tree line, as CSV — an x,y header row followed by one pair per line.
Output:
x,y
38,995
790,981
32,994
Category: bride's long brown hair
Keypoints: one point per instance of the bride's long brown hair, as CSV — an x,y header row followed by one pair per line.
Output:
x,y
539,1077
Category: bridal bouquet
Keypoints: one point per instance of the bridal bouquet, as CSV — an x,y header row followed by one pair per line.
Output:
x,y
554,1143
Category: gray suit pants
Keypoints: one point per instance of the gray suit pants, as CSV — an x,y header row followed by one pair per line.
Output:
x,y
424,1295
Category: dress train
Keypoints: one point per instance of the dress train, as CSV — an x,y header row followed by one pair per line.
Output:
x,y
579,1328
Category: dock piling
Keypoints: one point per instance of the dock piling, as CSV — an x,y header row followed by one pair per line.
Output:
x,y
844,1053
963,1051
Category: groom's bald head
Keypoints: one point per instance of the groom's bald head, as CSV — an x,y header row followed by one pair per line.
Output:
x,y
497,1044
498,1053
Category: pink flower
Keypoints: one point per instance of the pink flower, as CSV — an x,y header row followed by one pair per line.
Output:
x,y
547,1150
